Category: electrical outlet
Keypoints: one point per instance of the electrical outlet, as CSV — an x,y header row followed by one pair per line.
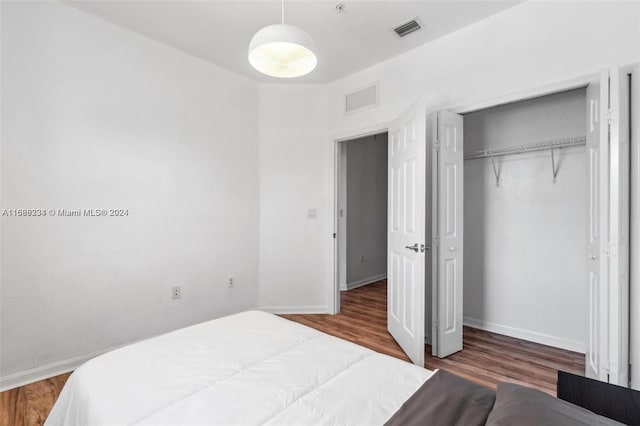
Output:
x,y
231,282
176,292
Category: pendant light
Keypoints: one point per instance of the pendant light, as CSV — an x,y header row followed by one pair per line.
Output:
x,y
282,50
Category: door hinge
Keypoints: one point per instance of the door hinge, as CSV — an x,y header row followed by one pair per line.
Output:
x,y
436,323
611,116
436,144
335,235
436,241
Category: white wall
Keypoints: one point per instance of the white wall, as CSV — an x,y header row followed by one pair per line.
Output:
x,y
528,46
95,116
366,210
524,252
294,177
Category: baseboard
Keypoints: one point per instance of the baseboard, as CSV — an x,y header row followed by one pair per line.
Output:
x,y
302,309
32,375
532,336
365,281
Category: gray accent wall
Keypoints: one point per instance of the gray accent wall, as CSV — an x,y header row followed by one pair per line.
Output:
x,y
366,209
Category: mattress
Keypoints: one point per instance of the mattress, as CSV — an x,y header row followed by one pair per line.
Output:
x,y
244,369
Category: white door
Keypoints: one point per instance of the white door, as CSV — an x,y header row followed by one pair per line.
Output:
x,y
406,227
448,181
597,220
618,250
608,228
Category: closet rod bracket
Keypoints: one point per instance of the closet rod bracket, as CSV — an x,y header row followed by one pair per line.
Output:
x,y
554,169
496,171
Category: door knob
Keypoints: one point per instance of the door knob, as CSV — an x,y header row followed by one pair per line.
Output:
x,y
594,257
452,248
414,247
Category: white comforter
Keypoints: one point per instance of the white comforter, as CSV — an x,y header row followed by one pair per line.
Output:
x,y
244,369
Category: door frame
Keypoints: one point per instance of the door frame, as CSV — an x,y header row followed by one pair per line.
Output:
x,y
582,81
526,94
634,243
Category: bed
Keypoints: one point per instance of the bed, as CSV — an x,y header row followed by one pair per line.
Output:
x,y
257,368
248,368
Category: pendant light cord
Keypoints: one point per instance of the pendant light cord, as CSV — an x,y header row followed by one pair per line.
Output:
x,y
283,12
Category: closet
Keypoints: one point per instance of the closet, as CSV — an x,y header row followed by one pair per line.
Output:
x,y
525,188
515,219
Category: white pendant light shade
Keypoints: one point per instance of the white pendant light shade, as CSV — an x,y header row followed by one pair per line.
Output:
x,y
282,51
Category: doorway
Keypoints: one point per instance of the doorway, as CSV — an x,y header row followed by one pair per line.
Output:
x,y
362,211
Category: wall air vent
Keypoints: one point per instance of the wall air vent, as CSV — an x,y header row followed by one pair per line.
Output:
x,y
361,99
407,28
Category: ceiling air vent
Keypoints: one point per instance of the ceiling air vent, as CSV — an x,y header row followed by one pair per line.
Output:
x,y
407,28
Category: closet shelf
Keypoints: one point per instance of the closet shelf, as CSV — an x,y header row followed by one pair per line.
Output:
x,y
543,146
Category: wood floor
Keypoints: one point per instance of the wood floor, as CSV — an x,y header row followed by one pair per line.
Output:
x,y
487,358
30,405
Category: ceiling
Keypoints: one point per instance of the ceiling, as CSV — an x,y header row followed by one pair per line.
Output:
x,y
360,36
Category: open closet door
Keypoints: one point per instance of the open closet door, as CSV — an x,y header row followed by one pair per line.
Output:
x,y
606,355
406,227
448,180
597,220
618,250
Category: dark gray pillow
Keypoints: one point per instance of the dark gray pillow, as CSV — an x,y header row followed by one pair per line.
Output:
x,y
522,406
445,400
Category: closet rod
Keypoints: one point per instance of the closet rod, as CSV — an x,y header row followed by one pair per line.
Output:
x,y
543,146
